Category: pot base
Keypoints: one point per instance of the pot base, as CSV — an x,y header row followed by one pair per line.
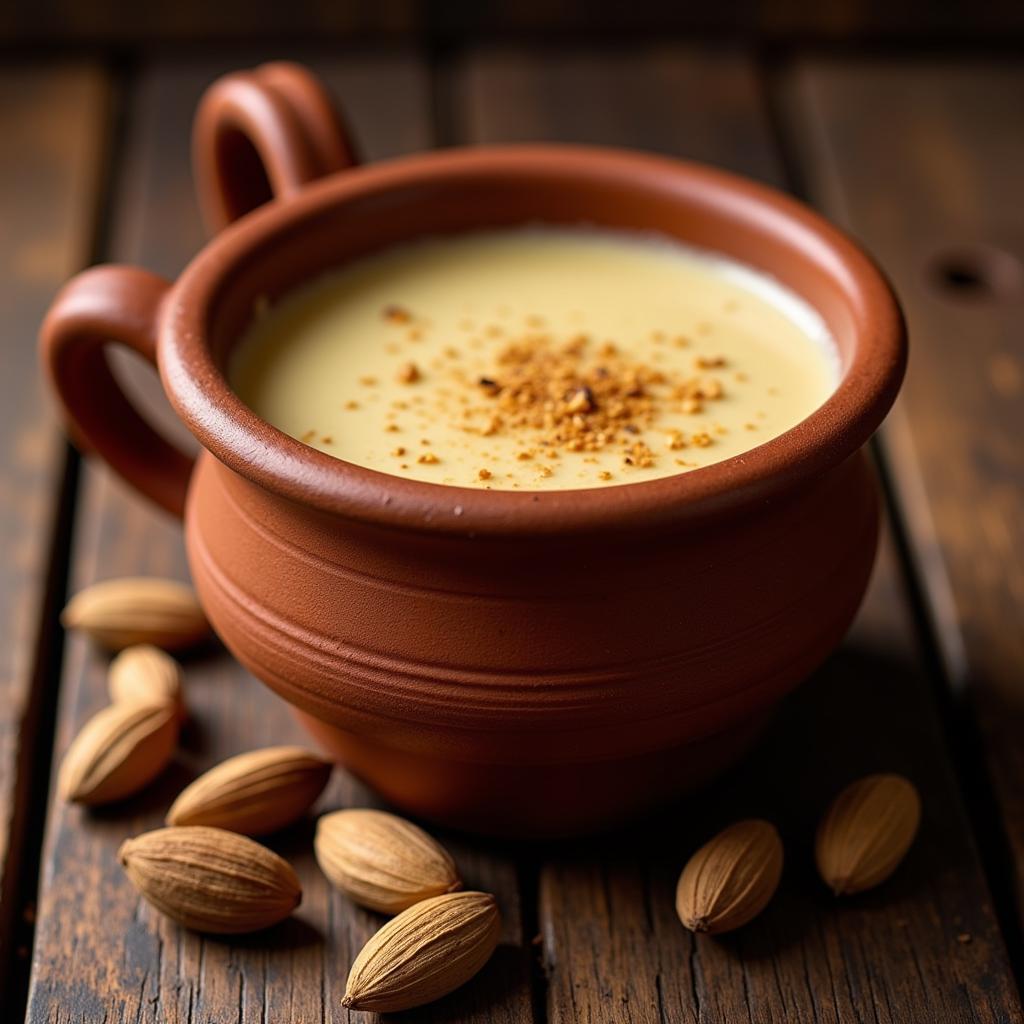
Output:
x,y
533,801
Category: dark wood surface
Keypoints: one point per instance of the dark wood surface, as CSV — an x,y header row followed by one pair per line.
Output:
x,y
590,930
52,125
940,205
227,22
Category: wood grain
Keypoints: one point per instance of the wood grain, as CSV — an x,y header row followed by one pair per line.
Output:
x,y
646,100
101,953
53,123
923,947
939,204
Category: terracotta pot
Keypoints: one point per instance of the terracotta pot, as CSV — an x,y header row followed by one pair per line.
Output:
x,y
522,663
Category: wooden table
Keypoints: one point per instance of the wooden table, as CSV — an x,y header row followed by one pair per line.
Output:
x,y
923,160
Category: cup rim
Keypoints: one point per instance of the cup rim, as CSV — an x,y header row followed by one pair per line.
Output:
x,y
249,445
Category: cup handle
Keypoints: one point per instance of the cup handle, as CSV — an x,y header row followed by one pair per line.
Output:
x,y
100,305
264,134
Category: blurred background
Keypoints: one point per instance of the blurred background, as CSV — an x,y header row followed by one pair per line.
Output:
x,y
121,21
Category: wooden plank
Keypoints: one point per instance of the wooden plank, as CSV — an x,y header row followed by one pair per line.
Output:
x,y
923,947
650,101
100,953
53,123
801,20
191,21
939,203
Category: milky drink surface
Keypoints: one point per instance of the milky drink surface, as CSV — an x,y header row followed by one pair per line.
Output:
x,y
536,359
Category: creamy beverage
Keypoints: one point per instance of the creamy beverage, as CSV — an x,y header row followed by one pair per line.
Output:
x,y
537,359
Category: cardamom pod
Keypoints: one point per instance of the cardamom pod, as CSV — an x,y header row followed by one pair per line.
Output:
x,y
429,950
211,880
253,793
144,674
131,610
382,861
730,879
119,750
866,832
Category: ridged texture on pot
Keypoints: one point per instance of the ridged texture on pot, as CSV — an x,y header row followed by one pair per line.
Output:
x,y
525,688
211,880
423,954
254,793
382,861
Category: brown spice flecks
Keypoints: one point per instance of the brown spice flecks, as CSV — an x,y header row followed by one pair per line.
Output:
x,y
327,439
485,474
396,314
351,404
308,436
640,455
428,459
709,362
368,382
582,396
409,373
702,440
398,451
582,401
604,475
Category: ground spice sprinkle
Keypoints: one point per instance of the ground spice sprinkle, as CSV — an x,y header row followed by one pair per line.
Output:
x,y
579,396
